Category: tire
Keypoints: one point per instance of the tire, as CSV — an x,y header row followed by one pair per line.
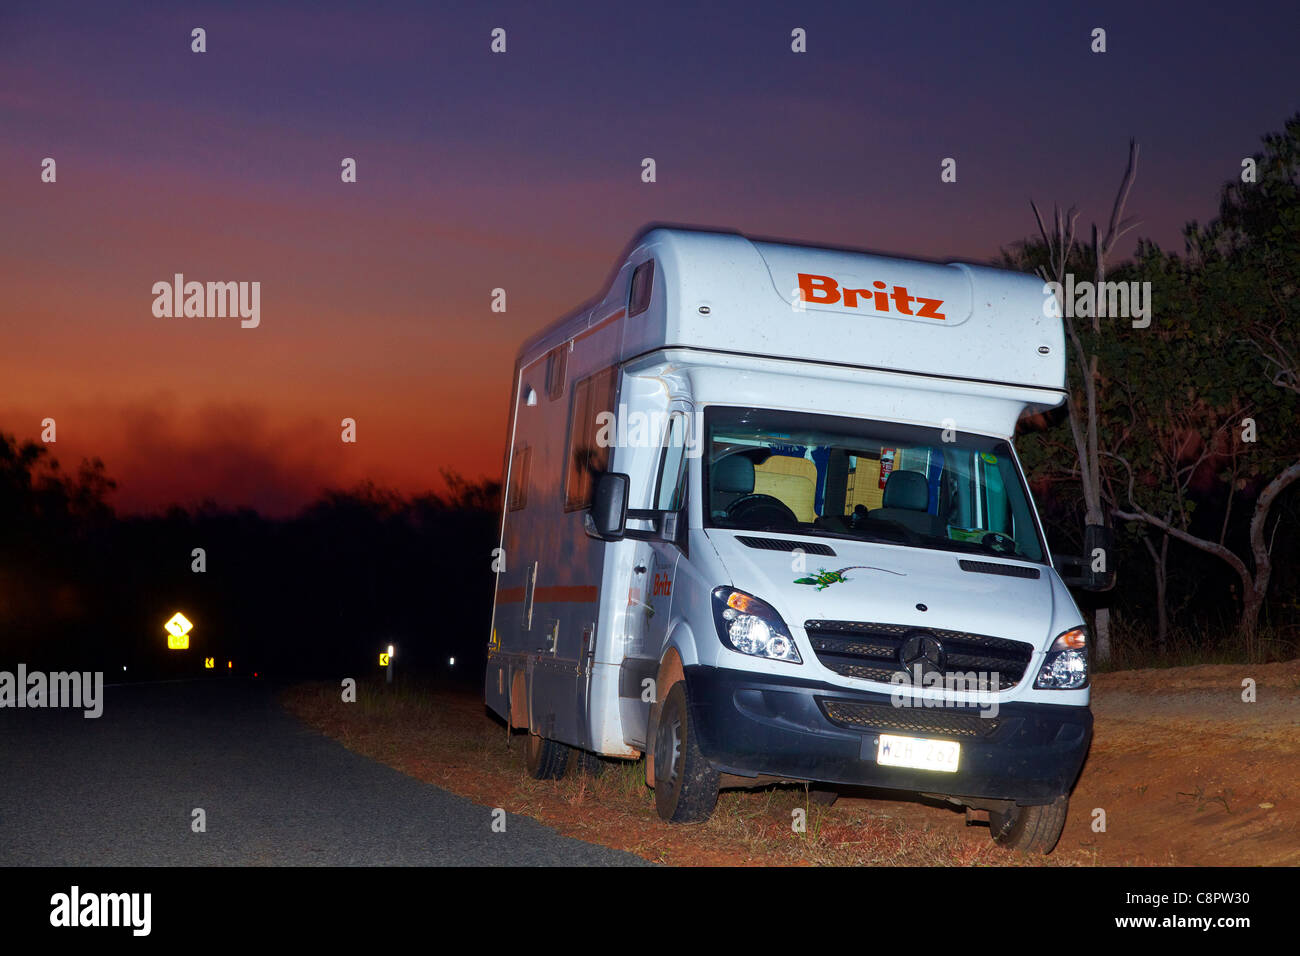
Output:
x,y
823,797
686,785
589,763
1030,829
544,758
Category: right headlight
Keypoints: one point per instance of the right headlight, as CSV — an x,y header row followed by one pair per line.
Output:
x,y
753,627
1066,665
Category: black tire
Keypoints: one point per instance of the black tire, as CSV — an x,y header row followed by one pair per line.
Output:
x,y
545,759
1030,829
823,797
686,785
589,763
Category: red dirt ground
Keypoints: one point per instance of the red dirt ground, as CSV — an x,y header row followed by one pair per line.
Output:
x,y
1184,770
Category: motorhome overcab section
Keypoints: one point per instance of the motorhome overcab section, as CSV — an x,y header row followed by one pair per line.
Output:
x,y
842,580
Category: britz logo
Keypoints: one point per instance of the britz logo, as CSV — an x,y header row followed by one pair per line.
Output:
x,y
823,290
663,585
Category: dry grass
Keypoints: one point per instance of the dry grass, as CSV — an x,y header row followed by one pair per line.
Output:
x,y
446,737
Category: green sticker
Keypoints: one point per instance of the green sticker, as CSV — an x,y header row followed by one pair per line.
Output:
x,y
989,458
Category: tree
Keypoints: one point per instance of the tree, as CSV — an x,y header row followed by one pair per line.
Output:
x,y
1084,411
1229,315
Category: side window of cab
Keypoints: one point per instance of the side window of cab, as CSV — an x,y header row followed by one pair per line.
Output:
x,y
670,486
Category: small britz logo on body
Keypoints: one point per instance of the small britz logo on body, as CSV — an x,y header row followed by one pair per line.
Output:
x,y
823,290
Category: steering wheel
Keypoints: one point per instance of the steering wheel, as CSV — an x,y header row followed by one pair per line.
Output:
x,y
762,510
999,543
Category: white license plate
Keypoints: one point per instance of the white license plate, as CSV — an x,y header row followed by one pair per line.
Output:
x,y
919,753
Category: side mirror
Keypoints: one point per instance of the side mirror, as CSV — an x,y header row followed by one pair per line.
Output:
x,y
1095,569
607,518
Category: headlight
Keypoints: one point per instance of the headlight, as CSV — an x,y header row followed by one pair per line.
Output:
x,y
1066,664
751,626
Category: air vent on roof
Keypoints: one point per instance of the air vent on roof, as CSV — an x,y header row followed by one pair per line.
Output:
x,y
989,567
777,544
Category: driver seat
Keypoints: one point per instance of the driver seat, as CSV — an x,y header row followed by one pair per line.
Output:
x,y
732,478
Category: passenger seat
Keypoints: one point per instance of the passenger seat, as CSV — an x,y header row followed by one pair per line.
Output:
x,y
907,501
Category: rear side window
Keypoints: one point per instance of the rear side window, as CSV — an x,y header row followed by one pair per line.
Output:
x,y
643,280
585,456
557,365
520,466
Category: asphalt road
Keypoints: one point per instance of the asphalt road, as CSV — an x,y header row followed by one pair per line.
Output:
x,y
120,791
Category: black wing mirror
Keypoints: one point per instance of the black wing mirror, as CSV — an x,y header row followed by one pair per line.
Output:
x,y
607,518
1095,569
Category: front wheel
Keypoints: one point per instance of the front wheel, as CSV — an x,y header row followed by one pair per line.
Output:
x,y
1030,829
686,785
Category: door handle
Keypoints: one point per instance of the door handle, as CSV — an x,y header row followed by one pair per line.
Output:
x,y
639,569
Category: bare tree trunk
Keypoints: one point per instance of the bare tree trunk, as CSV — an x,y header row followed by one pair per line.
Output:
x,y
1160,566
1254,586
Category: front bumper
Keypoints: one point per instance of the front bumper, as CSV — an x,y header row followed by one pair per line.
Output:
x,y
754,724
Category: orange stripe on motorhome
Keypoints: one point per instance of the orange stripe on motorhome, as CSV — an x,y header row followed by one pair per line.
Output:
x,y
555,594
614,317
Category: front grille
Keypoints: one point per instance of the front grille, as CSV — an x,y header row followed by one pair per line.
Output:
x,y
871,651
908,720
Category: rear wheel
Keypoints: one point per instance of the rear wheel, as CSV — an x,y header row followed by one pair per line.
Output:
x,y
545,759
1030,829
686,785
589,763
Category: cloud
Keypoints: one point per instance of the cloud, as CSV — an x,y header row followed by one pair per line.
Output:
x,y
232,453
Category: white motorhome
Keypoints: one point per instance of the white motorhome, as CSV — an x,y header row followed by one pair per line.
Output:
x,y
763,521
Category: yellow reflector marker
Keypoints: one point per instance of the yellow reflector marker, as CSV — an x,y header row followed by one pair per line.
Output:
x,y
383,659
209,663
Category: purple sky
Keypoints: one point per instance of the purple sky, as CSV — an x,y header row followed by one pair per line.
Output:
x,y
522,171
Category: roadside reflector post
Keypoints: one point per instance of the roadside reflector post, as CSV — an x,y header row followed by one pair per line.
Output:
x,y
389,678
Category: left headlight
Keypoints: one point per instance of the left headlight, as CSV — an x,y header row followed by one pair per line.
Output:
x,y
1066,664
753,627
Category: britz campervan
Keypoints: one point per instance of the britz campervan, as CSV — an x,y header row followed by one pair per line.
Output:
x,y
763,521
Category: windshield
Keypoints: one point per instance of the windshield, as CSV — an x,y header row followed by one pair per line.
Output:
x,y
822,475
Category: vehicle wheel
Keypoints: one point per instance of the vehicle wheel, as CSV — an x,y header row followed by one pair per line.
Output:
x,y
545,759
823,798
1030,829
686,785
589,763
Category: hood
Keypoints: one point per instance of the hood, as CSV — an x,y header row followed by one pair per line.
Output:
x,y
882,583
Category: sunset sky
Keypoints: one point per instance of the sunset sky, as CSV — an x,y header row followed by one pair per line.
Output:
x,y
521,171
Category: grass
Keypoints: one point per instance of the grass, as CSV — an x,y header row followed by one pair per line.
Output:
x,y
1133,647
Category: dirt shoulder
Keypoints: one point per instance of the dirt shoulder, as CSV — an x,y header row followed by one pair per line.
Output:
x,y
1184,770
